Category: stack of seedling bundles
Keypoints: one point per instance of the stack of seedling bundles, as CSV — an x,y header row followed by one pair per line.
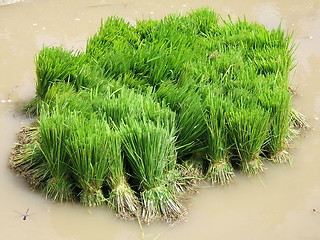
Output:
x,y
131,120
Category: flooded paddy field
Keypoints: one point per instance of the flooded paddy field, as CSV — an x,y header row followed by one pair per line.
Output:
x,y
277,204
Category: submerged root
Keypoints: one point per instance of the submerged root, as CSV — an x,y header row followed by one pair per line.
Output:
x,y
92,198
124,202
281,157
299,120
253,166
220,173
292,134
160,203
59,190
185,180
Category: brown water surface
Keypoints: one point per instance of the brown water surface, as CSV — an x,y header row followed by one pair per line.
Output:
x,y
275,205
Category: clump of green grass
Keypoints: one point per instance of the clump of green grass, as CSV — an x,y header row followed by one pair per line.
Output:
x,y
121,197
53,136
52,64
278,103
248,130
87,146
147,110
150,149
190,114
220,169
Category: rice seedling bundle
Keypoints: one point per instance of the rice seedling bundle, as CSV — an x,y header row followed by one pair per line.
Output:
x,y
121,197
87,147
248,129
53,136
278,103
126,120
191,126
220,169
150,148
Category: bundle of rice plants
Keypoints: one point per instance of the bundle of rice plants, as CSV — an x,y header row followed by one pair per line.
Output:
x,y
248,131
160,60
150,150
121,197
278,103
220,169
190,116
112,32
55,64
124,103
53,135
64,97
52,64
87,146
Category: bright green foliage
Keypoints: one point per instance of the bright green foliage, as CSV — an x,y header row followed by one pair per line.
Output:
x,y
191,125
248,128
278,103
88,146
220,169
121,197
150,148
126,121
53,136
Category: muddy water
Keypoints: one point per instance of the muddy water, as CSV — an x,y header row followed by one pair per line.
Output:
x,y
275,205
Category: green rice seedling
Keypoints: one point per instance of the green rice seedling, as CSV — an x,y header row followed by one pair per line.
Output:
x,y
150,149
85,73
87,146
190,116
82,103
199,22
86,102
278,103
52,64
160,60
112,48
248,131
65,98
121,197
53,135
271,61
146,29
113,31
203,21
118,61
193,87
124,103
220,169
